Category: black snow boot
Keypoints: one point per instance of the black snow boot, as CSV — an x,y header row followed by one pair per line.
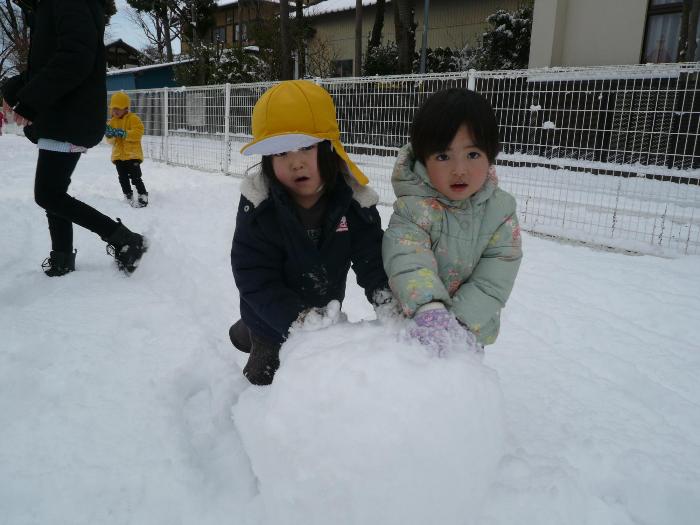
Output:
x,y
141,201
59,263
126,247
240,336
263,362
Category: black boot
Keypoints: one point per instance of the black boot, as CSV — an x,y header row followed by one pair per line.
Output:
x,y
126,247
240,336
59,263
263,362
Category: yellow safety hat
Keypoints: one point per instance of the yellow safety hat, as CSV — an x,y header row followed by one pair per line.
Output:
x,y
296,114
119,100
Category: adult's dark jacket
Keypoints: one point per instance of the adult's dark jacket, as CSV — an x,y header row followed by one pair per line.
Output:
x,y
63,92
278,269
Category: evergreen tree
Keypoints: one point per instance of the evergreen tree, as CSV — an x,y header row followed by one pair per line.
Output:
x,y
506,45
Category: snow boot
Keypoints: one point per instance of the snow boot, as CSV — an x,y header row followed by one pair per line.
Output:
x,y
240,336
141,201
59,263
263,362
126,247
129,197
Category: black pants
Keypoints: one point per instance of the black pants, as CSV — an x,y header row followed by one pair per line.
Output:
x,y
53,173
130,170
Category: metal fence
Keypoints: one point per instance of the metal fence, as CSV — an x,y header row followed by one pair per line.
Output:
x,y
606,155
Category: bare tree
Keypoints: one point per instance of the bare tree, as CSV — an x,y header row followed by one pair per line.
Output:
x,y
376,37
160,20
14,34
321,57
405,33
357,70
285,62
301,37
152,27
693,30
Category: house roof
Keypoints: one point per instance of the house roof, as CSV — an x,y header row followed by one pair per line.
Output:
x,y
121,43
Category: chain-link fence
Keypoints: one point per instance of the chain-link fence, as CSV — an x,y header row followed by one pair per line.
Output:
x,y
606,155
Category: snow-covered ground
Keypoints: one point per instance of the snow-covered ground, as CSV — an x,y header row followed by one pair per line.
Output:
x,y
122,400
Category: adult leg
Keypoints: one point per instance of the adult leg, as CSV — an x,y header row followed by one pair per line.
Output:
x,y
53,173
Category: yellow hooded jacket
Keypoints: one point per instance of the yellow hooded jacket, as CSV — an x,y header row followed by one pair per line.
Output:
x,y
128,148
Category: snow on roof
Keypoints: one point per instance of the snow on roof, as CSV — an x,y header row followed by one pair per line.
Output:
x,y
224,3
142,68
334,6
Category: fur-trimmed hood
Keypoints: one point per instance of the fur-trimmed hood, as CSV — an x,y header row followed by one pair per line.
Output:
x,y
256,189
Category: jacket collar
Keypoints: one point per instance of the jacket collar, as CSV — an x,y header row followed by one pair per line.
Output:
x,y
257,190
410,178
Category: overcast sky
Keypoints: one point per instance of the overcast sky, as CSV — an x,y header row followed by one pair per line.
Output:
x,y
121,27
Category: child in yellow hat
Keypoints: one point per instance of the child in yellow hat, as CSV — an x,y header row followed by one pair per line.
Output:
x,y
124,132
302,221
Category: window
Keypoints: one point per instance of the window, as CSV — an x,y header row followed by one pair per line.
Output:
x,y
663,30
342,68
241,33
219,35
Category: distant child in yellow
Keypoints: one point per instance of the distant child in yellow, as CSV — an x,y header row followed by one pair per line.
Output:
x,y
124,132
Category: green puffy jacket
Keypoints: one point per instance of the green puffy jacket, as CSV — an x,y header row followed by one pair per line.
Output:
x,y
464,254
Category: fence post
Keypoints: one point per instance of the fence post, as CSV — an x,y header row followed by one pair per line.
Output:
x,y
227,112
471,80
165,125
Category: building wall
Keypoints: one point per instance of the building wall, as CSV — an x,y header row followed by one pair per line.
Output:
x,y
452,23
228,16
145,79
125,81
587,32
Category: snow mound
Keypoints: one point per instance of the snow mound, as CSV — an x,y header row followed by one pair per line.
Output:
x,y
362,426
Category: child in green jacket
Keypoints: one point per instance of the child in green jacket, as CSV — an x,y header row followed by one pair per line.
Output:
x,y
452,249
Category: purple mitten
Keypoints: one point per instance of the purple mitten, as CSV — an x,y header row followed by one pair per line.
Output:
x,y
431,327
439,329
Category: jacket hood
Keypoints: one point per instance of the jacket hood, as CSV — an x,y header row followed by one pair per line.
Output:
x,y
410,178
256,189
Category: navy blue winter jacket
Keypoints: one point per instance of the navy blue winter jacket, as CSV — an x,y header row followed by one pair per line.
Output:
x,y
279,271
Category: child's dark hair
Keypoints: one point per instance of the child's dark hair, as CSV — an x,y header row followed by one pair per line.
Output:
x,y
329,165
437,120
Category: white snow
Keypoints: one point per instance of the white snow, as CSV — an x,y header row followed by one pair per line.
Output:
x,y
122,400
332,6
548,124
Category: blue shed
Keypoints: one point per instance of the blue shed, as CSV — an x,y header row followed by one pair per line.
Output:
x,y
143,77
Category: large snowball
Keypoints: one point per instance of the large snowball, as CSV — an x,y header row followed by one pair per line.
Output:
x,y
362,427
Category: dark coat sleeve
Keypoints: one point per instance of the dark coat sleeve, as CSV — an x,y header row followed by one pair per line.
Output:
x,y
367,253
257,265
69,66
10,88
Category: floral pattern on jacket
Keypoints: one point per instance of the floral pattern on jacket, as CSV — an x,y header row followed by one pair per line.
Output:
x,y
465,254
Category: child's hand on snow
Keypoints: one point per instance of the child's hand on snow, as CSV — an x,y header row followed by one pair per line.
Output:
x,y
317,318
386,306
438,328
